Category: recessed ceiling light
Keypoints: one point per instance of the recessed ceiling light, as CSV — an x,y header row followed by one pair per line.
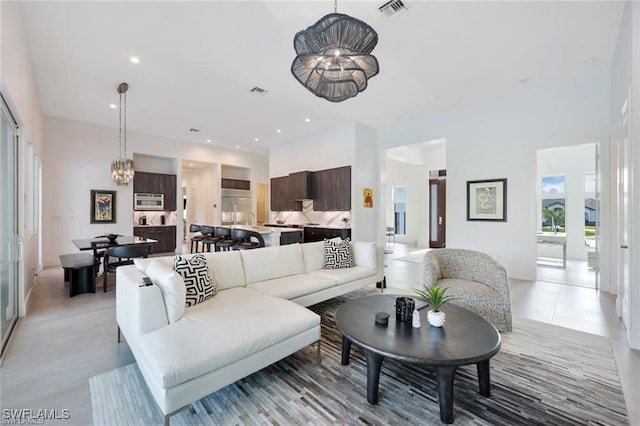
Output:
x,y
209,140
589,60
256,139
278,131
237,146
113,106
134,59
307,120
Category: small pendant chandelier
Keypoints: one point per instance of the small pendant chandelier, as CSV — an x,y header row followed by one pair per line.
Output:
x,y
334,60
122,169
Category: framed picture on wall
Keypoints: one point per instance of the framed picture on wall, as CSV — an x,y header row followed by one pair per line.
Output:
x,y
103,206
487,200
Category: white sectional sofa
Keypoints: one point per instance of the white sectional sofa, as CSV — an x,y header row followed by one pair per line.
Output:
x,y
257,317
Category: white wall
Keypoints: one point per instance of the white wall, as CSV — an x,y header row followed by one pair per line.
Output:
x,y
18,86
77,158
499,138
572,162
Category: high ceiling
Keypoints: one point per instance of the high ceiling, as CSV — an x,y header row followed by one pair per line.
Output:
x,y
199,60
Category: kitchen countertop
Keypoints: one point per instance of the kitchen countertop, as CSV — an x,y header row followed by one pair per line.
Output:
x,y
265,228
303,225
150,226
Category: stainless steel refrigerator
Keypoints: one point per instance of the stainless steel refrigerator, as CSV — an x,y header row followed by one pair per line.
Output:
x,y
236,207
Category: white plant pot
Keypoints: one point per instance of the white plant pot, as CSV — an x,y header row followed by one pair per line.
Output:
x,y
436,319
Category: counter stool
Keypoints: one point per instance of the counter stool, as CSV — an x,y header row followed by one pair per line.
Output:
x,y
225,240
246,240
196,239
209,238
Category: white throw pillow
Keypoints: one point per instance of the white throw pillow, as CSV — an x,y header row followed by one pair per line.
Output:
x,y
195,273
337,255
171,286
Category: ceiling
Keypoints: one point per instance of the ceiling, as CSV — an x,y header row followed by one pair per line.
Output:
x,y
199,60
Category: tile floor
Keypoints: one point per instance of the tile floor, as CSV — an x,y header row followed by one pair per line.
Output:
x,y
64,341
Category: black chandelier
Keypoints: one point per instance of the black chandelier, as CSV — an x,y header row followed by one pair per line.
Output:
x,y
334,60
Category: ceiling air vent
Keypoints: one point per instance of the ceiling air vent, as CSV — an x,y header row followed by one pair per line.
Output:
x,y
393,8
258,91
194,130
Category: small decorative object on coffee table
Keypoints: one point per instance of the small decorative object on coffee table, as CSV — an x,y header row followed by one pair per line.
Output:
x,y
404,308
436,296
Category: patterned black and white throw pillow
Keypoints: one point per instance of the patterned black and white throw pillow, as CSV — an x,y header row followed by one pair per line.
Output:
x,y
337,254
195,274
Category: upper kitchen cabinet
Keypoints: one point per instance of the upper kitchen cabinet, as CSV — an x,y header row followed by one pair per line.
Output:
x,y
235,184
281,196
157,183
301,185
332,189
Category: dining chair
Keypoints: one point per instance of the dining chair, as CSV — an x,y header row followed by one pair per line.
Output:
x,y
123,255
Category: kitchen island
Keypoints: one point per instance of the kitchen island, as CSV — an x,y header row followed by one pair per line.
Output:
x,y
274,236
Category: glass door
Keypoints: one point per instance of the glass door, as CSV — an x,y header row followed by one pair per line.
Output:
x,y
8,225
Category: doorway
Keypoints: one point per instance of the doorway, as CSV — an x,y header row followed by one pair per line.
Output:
x,y
567,215
437,208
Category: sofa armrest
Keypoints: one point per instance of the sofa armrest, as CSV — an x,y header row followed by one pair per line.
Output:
x,y
430,269
369,255
139,310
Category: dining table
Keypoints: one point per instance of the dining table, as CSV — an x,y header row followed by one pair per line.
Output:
x,y
101,242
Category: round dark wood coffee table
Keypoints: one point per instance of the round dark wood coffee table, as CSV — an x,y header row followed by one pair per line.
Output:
x,y
465,338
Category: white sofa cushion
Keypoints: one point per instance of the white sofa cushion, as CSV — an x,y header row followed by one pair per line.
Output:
x,y
272,262
236,323
171,286
227,268
313,255
345,275
365,254
293,286
142,263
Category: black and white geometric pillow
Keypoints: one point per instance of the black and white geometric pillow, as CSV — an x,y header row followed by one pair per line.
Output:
x,y
337,255
195,274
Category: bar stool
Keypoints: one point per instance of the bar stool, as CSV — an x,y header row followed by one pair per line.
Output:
x,y
225,242
246,240
196,239
209,237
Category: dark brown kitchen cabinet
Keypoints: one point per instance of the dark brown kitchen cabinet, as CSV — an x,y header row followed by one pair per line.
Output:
x,y
157,183
165,235
312,233
235,184
332,189
281,197
301,185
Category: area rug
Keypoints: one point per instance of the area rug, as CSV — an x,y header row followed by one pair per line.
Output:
x,y
543,375
414,257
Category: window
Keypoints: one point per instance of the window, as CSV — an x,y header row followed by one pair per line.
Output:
x,y
399,198
591,208
553,203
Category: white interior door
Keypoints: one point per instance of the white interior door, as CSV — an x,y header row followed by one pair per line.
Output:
x,y
624,213
9,242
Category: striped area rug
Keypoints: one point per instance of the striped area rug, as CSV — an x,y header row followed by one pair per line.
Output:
x,y
543,375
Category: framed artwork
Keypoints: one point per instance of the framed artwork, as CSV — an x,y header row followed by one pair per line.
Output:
x,y
487,200
367,197
103,206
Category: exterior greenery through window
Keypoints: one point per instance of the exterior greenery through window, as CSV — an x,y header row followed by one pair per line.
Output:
x,y
399,197
591,209
553,203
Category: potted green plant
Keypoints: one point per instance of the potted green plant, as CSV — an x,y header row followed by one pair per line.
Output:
x,y
436,296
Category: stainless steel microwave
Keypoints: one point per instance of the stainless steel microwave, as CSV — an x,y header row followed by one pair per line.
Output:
x,y
146,201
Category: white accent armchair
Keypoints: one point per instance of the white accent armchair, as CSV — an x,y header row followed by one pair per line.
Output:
x,y
478,282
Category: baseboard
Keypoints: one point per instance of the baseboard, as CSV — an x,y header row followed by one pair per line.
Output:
x,y
634,339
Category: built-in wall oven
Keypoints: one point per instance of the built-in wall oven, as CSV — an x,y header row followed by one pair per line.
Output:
x,y
147,201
